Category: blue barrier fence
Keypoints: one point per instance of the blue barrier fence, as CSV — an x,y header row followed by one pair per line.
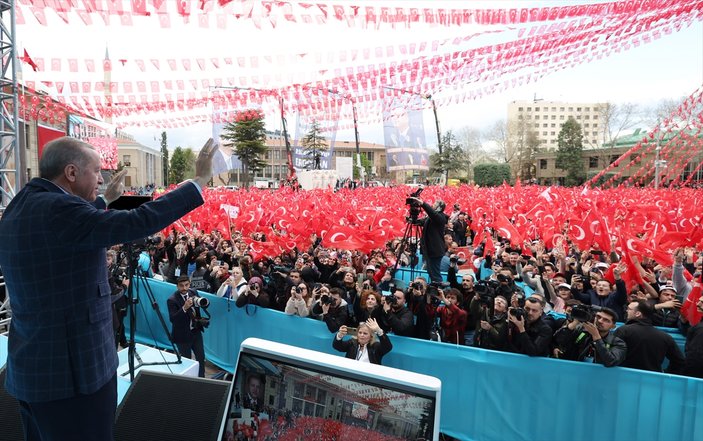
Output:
x,y
486,395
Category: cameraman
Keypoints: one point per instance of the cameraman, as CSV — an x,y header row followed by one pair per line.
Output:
x,y
397,318
421,307
117,278
432,243
492,323
590,340
531,335
332,308
187,325
452,319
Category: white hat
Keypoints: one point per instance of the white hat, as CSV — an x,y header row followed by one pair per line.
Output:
x,y
564,285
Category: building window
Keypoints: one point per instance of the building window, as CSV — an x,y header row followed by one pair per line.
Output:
x,y
595,116
588,109
593,162
519,109
561,117
554,117
587,117
545,125
552,133
614,158
529,109
554,109
542,164
536,116
571,109
536,109
578,116
578,109
561,109
544,133
596,109
585,124
595,125
537,126
519,117
127,160
553,125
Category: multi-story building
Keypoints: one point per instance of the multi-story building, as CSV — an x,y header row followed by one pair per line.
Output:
x,y
682,165
143,164
544,119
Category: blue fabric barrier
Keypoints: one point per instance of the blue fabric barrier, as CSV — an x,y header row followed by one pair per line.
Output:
x,y
486,395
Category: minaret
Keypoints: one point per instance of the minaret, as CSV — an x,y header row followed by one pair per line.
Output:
x,y
107,79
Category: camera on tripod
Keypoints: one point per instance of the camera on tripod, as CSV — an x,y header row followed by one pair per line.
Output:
x,y
414,207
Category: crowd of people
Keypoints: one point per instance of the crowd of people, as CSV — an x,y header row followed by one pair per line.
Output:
x,y
531,300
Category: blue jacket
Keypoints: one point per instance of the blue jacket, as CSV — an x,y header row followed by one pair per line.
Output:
x,y
53,257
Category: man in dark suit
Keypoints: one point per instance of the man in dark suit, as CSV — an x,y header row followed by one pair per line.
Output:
x,y
186,329
432,242
61,355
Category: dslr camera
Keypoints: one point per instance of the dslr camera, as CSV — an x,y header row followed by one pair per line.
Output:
x,y
391,299
518,313
325,299
200,302
584,313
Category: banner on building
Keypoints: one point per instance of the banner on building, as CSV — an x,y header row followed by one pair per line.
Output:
x,y
404,135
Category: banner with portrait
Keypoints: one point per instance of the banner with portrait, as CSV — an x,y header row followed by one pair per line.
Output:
x,y
404,134
225,158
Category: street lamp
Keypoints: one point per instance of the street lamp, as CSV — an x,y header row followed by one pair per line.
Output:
x,y
356,129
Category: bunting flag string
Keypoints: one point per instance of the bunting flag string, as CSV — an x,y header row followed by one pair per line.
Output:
x,y
268,13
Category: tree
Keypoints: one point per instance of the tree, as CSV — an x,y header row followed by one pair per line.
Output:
x,y
472,140
499,136
164,158
314,145
491,175
453,158
248,135
614,119
366,164
569,153
179,166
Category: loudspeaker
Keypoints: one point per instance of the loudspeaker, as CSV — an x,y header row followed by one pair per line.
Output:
x,y
171,407
12,429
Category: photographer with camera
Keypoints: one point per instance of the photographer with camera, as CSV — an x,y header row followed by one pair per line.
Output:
x,y
421,307
332,308
397,318
253,294
187,323
432,244
452,319
490,312
529,333
586,336
117,278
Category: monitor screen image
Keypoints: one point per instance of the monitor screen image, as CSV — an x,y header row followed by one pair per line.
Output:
x,y
284,393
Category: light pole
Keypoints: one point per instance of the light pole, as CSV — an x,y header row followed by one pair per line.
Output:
x,y
436,120
356,129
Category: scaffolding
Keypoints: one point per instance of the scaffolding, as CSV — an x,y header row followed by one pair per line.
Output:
x,y
10,167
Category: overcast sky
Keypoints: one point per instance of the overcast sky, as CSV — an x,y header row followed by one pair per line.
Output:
x,y
671,67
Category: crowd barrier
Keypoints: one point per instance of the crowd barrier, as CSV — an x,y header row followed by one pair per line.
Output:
x,y
486,395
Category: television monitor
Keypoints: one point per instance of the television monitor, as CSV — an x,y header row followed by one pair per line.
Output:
x,y
284,392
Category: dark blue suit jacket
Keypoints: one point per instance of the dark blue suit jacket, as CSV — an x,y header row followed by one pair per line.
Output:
x,y
53,257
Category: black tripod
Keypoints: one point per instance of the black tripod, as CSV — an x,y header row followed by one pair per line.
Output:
x,y
136,277
411,239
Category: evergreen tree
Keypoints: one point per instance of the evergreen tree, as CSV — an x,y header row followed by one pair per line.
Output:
x,y
248,135
314,145
569,154
164,158
179,165
453,160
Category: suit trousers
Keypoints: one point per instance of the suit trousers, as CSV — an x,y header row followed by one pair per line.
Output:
x,y
433,265
83,417
194,347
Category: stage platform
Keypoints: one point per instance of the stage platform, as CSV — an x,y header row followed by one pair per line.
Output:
x,y
147,354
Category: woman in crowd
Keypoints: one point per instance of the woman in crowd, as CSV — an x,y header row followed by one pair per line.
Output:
x,y
234,286
300,301
370,305
364,346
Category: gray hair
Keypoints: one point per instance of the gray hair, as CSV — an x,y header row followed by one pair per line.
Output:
x,y
57,154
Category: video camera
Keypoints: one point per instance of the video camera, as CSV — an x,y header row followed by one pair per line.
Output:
x,y
414,210
585,313
433,292
486,290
